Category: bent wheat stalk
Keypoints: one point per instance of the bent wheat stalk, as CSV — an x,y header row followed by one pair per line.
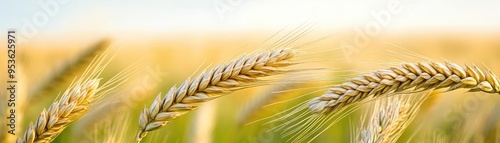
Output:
x,y
64,74
221,80
255,105
421,76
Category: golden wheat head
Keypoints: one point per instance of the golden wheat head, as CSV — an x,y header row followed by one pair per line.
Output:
x,y
420,76
73,104
380,127
390,117
220,80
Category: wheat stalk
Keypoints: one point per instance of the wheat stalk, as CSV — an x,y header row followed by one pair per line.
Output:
x,y
65,73
221,80
255,105
421,76
203,124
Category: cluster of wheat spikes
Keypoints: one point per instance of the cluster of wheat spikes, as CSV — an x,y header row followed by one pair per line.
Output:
x,y
420,76
223,79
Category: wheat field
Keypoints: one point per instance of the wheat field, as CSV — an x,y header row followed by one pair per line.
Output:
x,y
320,93
249,71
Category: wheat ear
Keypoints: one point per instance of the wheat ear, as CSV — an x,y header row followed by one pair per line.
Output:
x,y
75,101
391,117
73,104
219,81
421,76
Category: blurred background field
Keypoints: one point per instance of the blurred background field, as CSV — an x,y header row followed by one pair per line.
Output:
x,y
177,59
171,40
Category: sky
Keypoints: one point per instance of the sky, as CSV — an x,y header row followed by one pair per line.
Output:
x,y
53,17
